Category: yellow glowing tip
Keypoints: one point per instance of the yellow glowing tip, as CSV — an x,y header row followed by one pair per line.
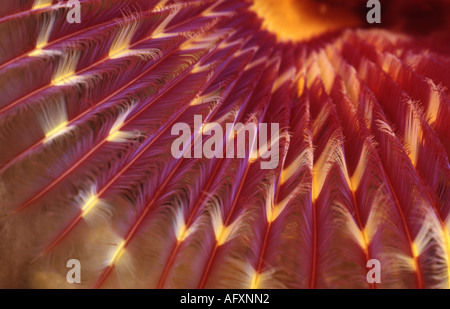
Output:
x,y
365,238
118,253
272,216
253,158
182,234
113,134
272,213
415,251
56,131
447,238
91,202
39,4
35,52
222,235
316,188
415,254
38,50
40,45
447,246
255,281
301,86
61,80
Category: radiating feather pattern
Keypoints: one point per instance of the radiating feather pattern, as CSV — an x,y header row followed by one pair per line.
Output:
x,y
87,173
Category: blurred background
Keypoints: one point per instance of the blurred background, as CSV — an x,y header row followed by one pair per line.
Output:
x,y
303,19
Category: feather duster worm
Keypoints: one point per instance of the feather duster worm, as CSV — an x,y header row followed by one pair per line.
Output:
x,y
86,170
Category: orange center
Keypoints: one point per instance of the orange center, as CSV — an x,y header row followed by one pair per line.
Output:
x,y
297,20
